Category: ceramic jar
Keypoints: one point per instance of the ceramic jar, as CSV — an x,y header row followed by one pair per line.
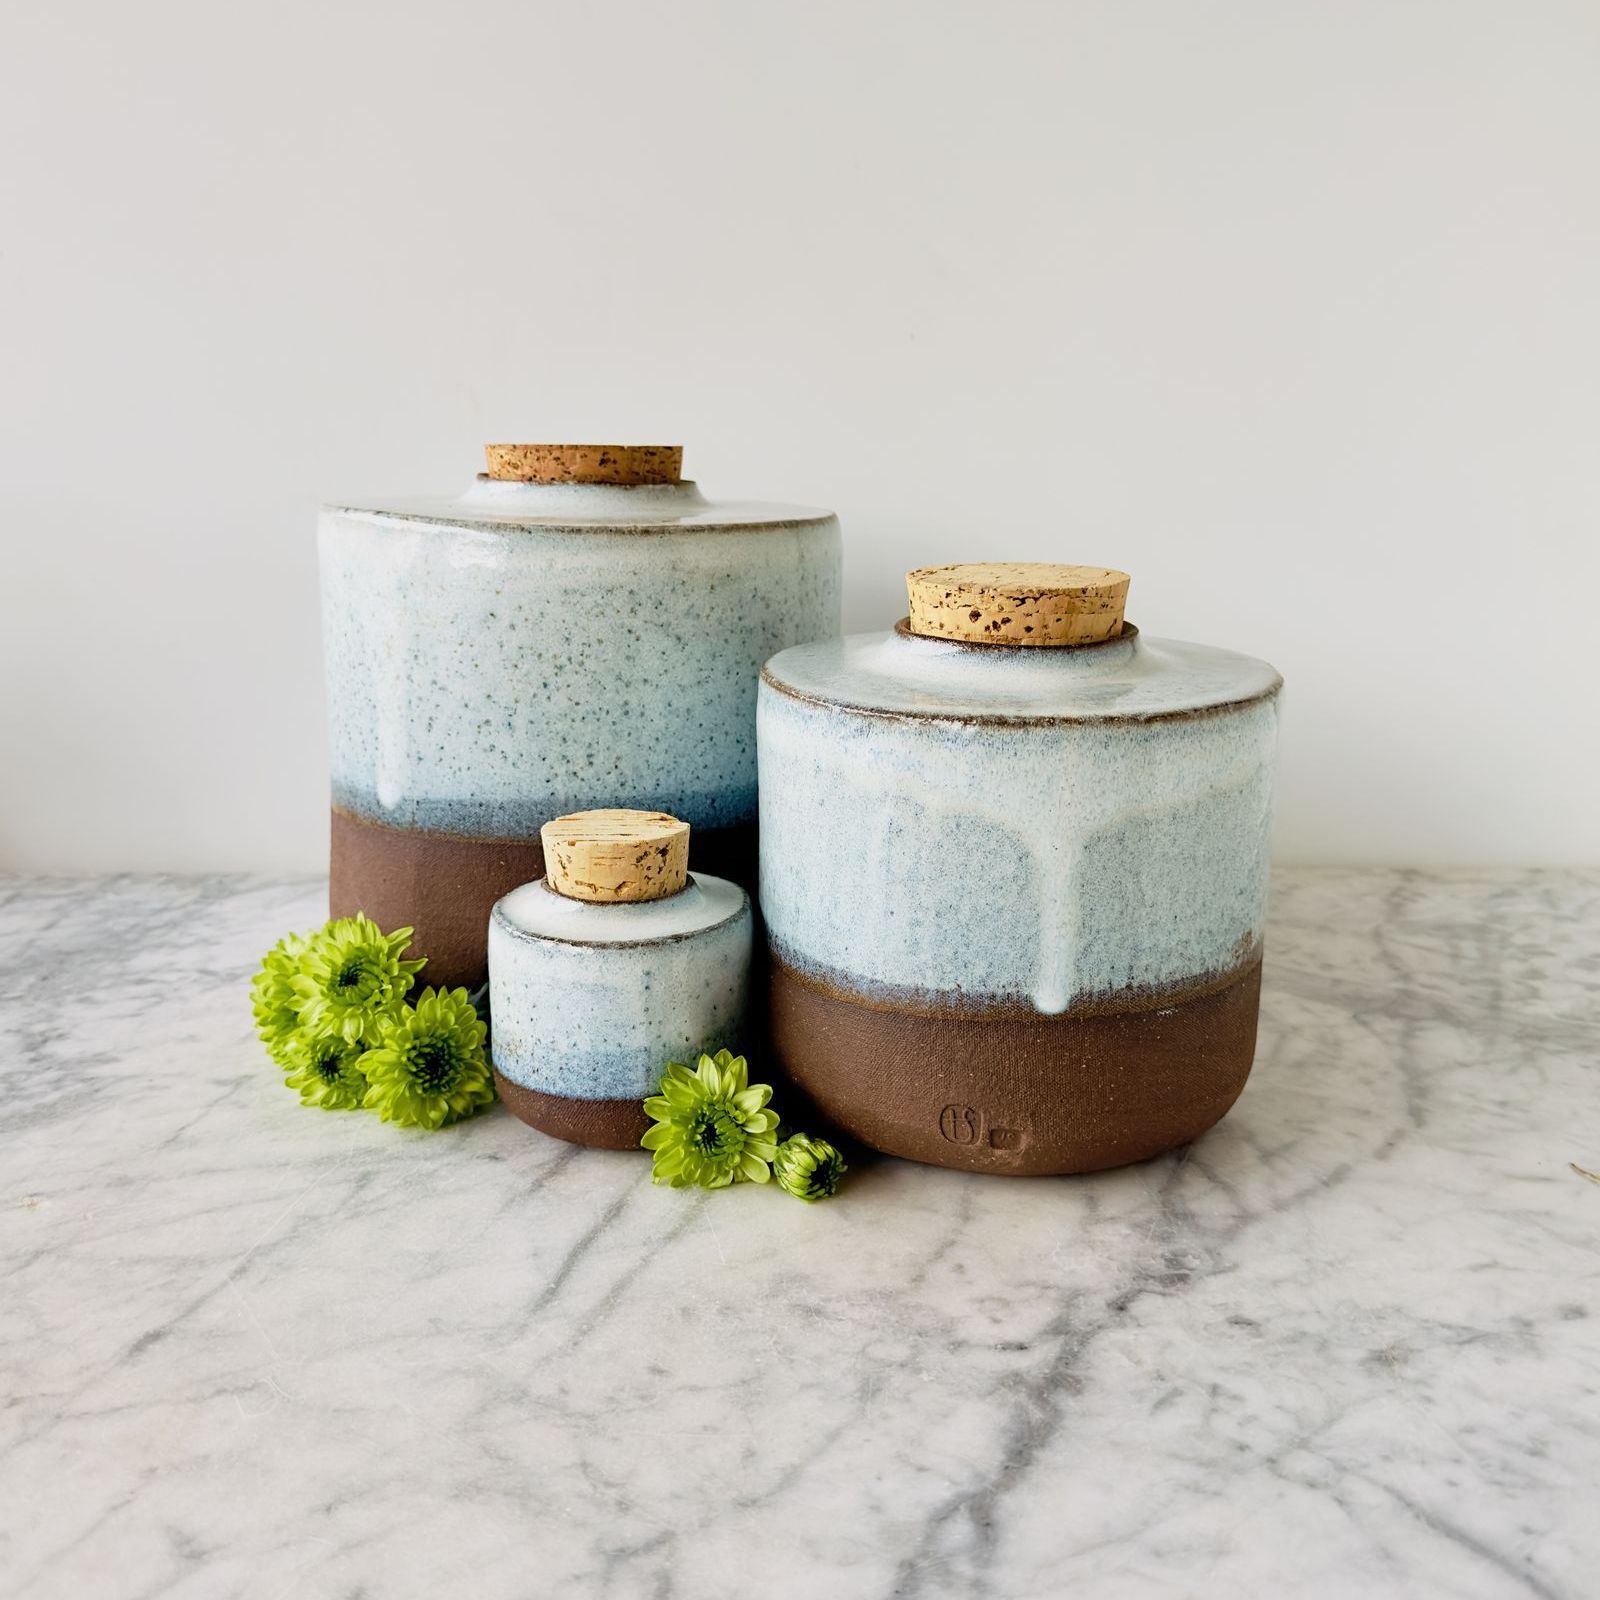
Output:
x,y
612,965
580,627
1014,889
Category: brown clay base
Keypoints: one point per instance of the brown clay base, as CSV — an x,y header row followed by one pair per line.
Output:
x,y
445,885
1022,1095
601,1124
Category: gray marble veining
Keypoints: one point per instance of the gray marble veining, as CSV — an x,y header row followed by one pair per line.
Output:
x,y
1347,1344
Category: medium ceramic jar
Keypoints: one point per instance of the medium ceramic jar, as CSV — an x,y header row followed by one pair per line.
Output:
x,y
1013,870
579,627
613,964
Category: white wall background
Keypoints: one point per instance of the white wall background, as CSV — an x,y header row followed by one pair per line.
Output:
x,y
1292,310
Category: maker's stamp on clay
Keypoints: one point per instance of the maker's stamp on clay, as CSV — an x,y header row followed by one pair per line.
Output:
x,y
960,1124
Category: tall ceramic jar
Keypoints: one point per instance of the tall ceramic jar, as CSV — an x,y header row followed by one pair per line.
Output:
x,y
581,628
1014,870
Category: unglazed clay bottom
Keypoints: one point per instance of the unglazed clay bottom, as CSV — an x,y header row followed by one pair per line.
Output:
x,y
600,1124
1007,1092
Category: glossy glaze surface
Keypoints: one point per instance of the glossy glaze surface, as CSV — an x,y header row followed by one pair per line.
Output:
x,y
1129,677
530,649
591,1001
992,829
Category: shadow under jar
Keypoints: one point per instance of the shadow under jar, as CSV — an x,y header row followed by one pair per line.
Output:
x,y
579,628
1014,873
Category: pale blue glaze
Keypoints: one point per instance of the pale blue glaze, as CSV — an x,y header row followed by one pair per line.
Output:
x,y
989,826
531,650
592,1001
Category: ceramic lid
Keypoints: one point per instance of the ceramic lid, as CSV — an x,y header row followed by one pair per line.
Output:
x,y
536,911
583,486
1128,678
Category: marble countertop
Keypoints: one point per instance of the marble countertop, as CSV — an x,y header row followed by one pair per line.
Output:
x,y
1349,1343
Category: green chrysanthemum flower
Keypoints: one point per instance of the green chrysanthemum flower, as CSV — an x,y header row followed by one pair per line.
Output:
x,y
807,1168
273,1000
352,978
712,1127
429,1068
326,1069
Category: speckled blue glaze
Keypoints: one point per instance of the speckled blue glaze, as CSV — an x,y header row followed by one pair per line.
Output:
x,y
985,827
592,1001
530,649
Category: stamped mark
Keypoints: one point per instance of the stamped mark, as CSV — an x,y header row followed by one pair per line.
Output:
x,y
960,1124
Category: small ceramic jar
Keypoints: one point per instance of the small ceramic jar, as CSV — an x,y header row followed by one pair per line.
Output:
x,y
580,626
1013,871
613,964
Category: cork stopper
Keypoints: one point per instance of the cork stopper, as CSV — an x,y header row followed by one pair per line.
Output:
x,y
613,856
629,464
1032,603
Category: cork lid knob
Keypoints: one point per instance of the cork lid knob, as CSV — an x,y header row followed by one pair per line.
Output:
x,y
612,856
1031,603
626,464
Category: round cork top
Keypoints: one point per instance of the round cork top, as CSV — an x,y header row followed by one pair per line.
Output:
x,y
628,464
1031,603
610,856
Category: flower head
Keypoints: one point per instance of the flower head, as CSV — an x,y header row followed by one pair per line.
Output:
x,y
352,977
712,1126
326,1069
273,1000
429,1067
807,1168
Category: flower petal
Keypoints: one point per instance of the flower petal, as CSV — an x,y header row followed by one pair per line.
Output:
x,y
680,1095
